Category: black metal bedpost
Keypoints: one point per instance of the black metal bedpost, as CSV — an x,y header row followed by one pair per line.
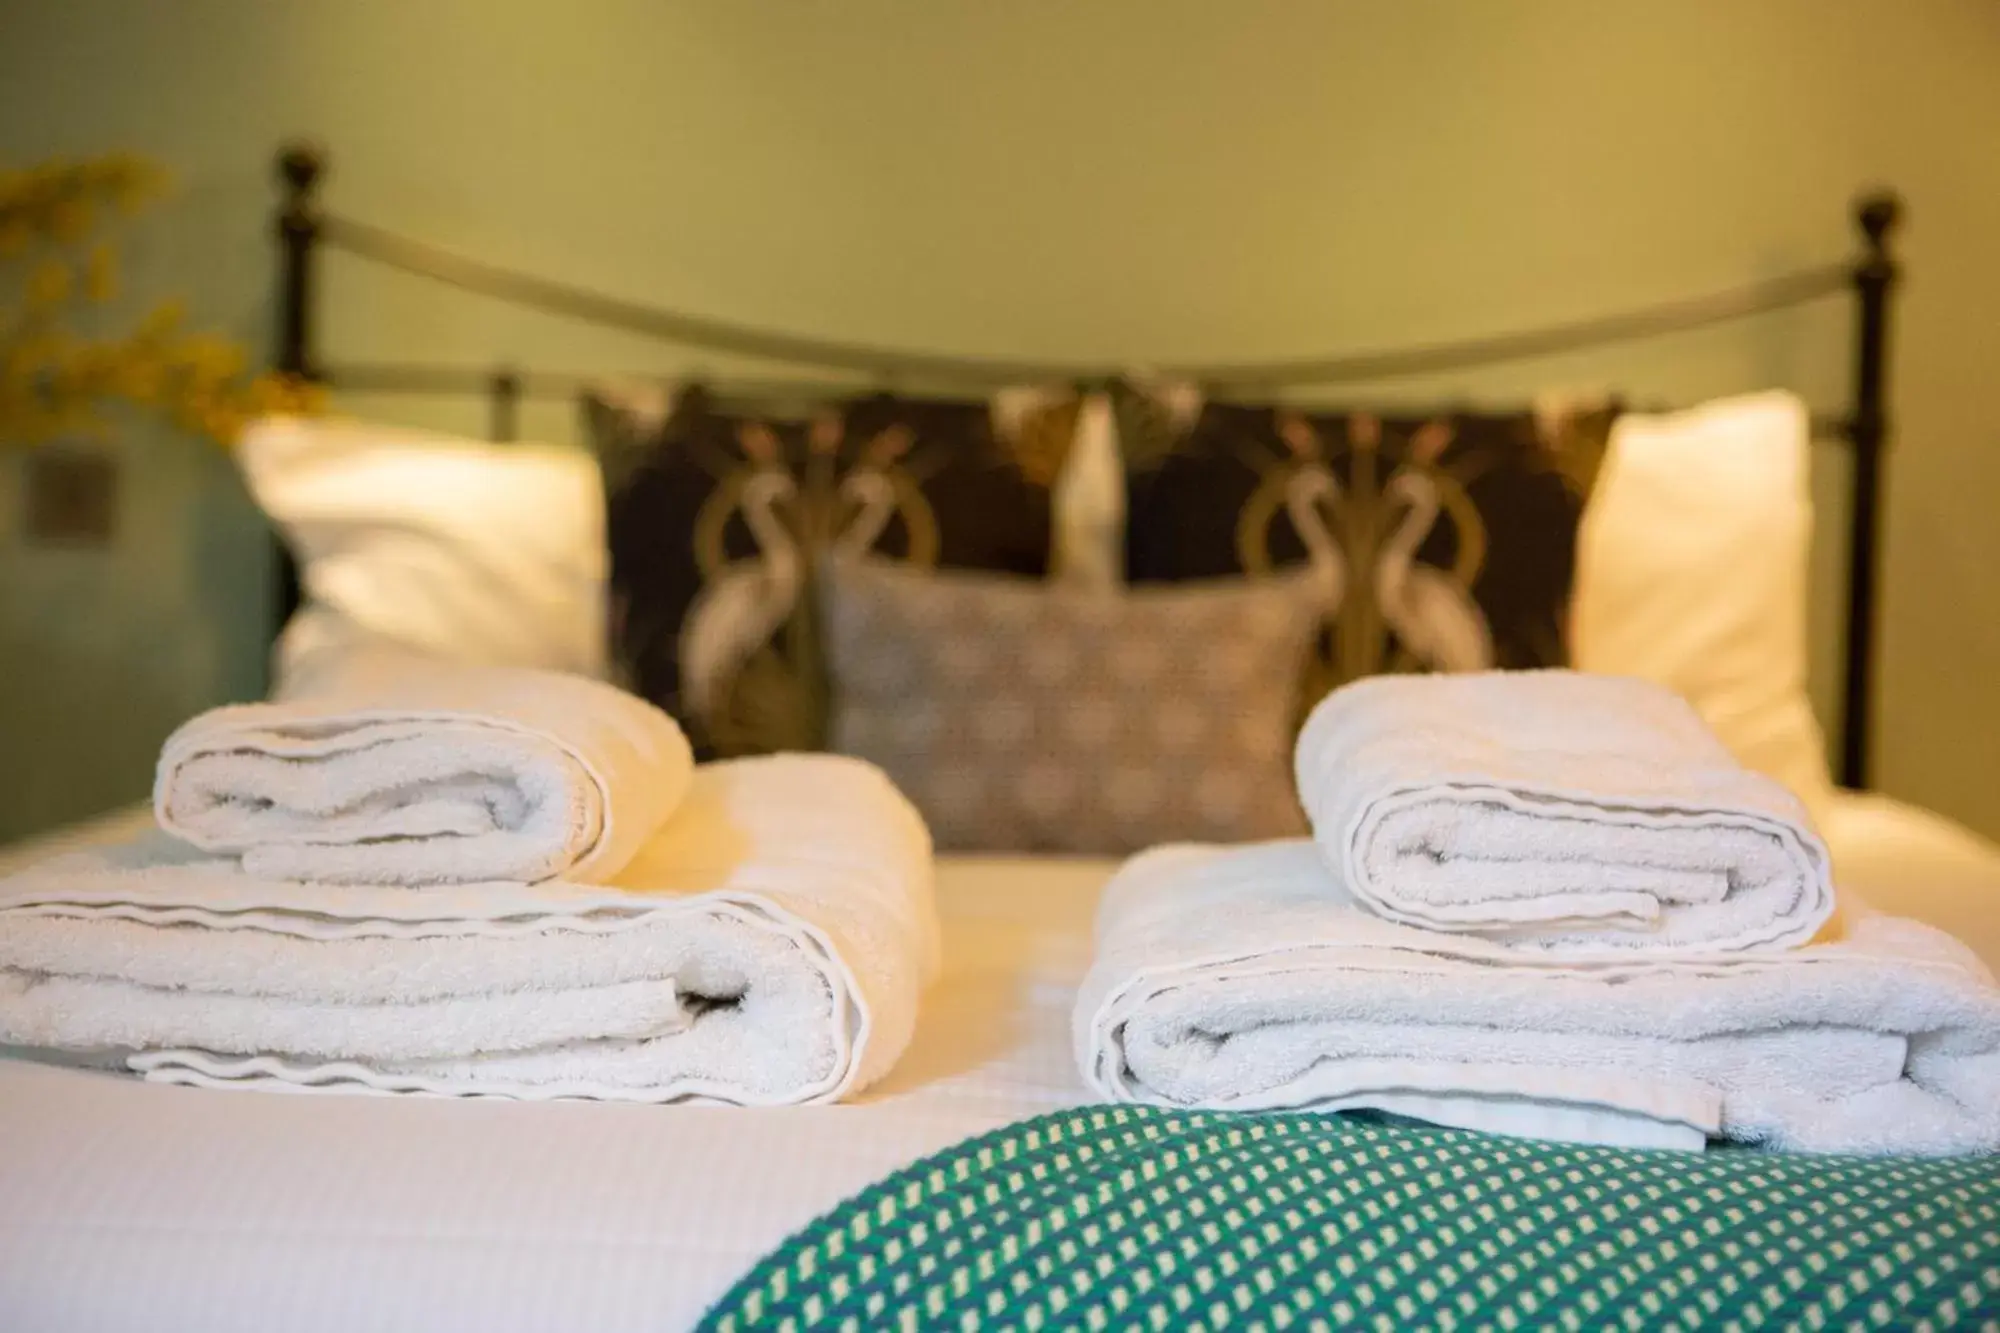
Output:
x,y
1874,278
300,167
504,391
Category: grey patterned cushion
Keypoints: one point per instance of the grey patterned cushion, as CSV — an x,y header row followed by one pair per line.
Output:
x,y
1021,716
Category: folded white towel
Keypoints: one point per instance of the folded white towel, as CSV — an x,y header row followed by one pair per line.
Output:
x,y
1565,812
1248,979
767,946
389,768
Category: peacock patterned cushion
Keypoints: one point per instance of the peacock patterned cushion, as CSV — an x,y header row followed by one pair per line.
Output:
x,y
717,514
1449,539
1021,716
1114,1218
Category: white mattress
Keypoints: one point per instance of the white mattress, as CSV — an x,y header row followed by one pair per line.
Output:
x,y
126,1205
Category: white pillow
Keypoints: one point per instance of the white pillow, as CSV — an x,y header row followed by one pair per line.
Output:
x,y
472,552
1692,572
1087,500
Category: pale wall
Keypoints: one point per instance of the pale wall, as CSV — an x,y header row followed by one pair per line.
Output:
x,y
1131,180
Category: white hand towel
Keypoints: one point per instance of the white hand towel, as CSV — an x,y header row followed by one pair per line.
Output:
x,y
1248,979
1560,811
768,946
390,768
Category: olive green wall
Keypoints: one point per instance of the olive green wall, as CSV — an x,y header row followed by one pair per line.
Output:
x,y
1134,180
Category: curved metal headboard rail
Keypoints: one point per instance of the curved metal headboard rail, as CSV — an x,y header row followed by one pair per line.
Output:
x,y
437,264
302,228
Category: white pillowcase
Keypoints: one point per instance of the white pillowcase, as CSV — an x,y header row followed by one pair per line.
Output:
x,y
1087,501
1692,573
471,552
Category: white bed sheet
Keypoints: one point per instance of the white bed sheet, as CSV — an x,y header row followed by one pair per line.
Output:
x,y
133,1206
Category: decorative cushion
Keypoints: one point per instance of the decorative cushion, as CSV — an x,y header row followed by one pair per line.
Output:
x,y
473,552
1026,717
717,518
1449,540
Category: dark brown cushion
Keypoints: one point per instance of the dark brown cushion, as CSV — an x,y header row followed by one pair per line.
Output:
x,y
716,519
1451,537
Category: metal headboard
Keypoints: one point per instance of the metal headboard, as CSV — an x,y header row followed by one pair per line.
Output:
x,y
304,228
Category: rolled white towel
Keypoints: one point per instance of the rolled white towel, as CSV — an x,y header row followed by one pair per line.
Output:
x,y
767,946
1559,811
1249,979
389,768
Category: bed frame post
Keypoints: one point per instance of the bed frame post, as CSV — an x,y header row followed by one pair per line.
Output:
x,y
1875,276
504,391
300,168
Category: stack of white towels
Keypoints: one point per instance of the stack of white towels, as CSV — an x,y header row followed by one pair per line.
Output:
x,y
464,881
1539,903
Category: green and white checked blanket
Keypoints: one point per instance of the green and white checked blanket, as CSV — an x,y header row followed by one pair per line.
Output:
x,y
1136,1218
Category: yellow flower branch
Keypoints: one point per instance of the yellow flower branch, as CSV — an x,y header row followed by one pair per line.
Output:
x,y
56,381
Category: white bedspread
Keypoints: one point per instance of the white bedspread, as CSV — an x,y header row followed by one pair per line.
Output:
x,y
132,1206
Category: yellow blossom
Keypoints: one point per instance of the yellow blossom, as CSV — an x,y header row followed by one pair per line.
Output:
x,y
55,382
137,378
69,219
48,285
223,423
165,318
100,273
209,357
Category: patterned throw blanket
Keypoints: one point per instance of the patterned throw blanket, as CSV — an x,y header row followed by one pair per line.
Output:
x,y
1122,1217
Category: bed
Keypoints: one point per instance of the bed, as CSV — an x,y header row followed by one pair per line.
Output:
x,y
133,1205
